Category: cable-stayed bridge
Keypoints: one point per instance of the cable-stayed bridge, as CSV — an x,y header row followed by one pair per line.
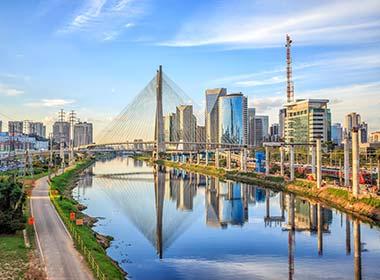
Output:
x,y
159,119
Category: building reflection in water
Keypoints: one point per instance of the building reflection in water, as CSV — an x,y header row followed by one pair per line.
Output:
x,y
227,203
85,182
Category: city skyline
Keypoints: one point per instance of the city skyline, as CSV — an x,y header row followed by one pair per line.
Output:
x,y
95,56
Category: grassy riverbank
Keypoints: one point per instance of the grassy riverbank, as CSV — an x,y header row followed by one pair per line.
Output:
x,y
84,237
13,256
365,207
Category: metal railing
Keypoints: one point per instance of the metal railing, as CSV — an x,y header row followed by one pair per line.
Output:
x,y
78,240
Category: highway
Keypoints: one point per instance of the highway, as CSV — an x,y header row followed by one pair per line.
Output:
x,y
61,259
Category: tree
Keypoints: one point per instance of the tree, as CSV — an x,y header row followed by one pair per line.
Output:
x,y
12,199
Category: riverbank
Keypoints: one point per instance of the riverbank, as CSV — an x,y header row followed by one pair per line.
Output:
x,y
89,243
365,207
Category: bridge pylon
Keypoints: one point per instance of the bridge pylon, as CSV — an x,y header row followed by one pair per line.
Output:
x,y
159,122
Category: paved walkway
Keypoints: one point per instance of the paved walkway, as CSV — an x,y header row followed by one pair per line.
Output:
x,y
61,258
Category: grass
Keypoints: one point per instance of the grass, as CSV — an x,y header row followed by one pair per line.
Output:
x,y
65,204
13,256
304,184
372,201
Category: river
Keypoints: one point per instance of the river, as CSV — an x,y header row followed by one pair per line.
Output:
x,y
171,224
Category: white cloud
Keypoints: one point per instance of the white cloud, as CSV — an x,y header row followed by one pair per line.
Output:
x,y
264,24
10,91
270,81
51,103
105,19
268,103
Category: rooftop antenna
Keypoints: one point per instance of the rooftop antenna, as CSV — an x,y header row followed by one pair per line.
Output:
x,y
289,81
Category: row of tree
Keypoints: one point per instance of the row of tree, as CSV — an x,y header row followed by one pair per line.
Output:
x,y
12,200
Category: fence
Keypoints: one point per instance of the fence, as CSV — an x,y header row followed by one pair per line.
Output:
x,y
79,241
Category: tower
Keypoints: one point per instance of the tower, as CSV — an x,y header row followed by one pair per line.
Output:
x,y
72,119
159,127
61,117
289,81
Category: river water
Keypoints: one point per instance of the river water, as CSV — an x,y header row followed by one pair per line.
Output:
x,y
170,224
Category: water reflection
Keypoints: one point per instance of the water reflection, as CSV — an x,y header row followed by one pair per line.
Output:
x,y
164,204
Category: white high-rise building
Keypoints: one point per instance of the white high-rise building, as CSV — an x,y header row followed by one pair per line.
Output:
x,y
186,125
212,113
307,119
83,134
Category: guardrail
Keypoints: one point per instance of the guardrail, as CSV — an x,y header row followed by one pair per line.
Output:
x,y
78,241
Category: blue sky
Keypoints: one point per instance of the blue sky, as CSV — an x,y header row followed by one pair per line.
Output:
x,y
94,56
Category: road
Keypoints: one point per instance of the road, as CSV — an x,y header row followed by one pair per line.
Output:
x,y
61,258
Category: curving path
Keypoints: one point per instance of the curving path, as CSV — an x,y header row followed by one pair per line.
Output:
x,y
61,259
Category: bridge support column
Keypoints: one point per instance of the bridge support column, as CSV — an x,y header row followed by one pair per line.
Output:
x,y
319,163
198,158
266,160
183,158
243,160
357,250
313,160
216,158
291,163
206,157
355,163
320,229
378,172
346,160
282,156
228,160
191,158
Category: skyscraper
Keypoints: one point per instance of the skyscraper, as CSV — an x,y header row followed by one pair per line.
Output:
x,y
260,129
1,126
186,125
35,128
363,132
170,128
352,120
233,119
274,132
83,134
65,135
212,114
281,122
336,133
201,135
251,125
15,127
307,119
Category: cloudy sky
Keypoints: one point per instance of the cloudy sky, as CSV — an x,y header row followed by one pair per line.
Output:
x,y
94,56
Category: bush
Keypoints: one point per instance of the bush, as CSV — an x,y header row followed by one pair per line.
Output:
x,y
11,202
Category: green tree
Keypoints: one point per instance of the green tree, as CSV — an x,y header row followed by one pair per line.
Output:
x,y
12,199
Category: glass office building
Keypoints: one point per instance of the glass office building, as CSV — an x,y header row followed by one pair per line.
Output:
x,y
233,124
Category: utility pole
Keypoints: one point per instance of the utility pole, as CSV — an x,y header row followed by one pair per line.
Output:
x,y
61,118
50,153
72,118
